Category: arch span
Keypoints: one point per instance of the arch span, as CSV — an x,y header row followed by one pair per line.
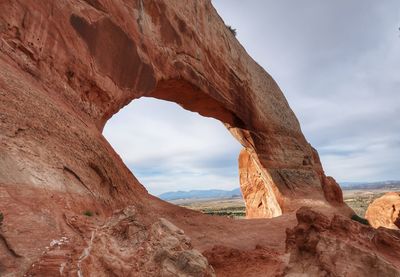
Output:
x,y
107,55
68,66
172,57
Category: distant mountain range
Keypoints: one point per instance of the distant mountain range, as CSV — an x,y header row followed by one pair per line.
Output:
x,y
221,194
371,185
201,194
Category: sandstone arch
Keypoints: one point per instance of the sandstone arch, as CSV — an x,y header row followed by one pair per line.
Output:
x,y
259,191
68,66
253,108
94,62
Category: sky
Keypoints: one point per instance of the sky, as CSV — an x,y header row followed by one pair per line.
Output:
x,y
338,64
168,148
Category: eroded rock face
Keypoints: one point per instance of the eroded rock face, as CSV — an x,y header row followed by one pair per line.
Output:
x,y
122,246
258,189
254,262
384,211
397,222
320,246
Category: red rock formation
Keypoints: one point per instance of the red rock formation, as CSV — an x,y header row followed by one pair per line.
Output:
x,y
258,189
65,68
384,211
263,193
95,57
254,262
332,191
124,246
397,221
320,246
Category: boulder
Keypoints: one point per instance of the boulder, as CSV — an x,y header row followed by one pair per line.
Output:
x,y
339,246
384,211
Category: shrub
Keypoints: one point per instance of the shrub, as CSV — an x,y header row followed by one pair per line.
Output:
x,y
233,30
359,219
88,213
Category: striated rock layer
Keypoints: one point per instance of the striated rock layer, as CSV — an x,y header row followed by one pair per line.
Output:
x,y
65,68
384,211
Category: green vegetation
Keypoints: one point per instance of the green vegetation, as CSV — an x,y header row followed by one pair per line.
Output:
x,y
88,213
228,211
233,30
231,207
359,219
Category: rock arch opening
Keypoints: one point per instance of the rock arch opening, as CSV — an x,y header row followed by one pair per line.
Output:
x,y
171,149
261,195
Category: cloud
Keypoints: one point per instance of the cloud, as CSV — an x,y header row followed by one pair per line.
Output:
x,y
338,64
169,148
